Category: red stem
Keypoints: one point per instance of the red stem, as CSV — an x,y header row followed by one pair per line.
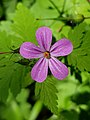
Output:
x,y
5,52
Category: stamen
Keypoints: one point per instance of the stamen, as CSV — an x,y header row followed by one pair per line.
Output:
x,y
47,54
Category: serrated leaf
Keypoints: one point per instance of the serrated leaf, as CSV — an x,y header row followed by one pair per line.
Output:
x,y
80,57
76,35
10,79
11,73
25,24
48,94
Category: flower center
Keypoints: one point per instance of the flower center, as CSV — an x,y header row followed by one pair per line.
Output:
x,y
47,54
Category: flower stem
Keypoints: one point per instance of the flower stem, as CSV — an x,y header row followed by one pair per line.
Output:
x,y
5,52
88,17
64,3
13,51
62,18
55,6
35,110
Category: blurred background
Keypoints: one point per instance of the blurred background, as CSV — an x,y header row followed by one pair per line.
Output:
x,y
73,92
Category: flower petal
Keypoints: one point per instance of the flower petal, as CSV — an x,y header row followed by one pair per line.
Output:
x,y
62,47
58,69
29,50
40,70
44,38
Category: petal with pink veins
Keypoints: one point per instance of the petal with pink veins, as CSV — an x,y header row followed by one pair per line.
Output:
x,y
62,47
58,69
29,50
40,70
44,38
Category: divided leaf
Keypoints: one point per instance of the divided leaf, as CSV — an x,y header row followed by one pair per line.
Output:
x,y
25,24
48,94
11,73
11,76
80,57
76,35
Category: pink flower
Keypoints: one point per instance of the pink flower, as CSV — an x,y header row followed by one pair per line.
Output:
x,y
47,55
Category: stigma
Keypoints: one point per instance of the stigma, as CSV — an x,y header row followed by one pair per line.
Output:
x,y
47,54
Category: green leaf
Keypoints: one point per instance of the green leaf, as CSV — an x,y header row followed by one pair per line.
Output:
x,y
4,42
9,7
76,34
25,24
27,81
48,94
80,57
28,3
11,76
23,104
6,26
9,42
69,115
11,73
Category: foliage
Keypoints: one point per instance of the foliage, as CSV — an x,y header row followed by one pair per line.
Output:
x,y
20,96
80,56
48,94
24,24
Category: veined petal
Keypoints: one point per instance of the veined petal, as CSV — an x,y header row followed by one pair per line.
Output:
x,y
44,38
62,47
58,69
29,50
40,70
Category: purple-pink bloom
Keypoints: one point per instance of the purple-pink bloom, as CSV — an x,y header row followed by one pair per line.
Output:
x,y
47,55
